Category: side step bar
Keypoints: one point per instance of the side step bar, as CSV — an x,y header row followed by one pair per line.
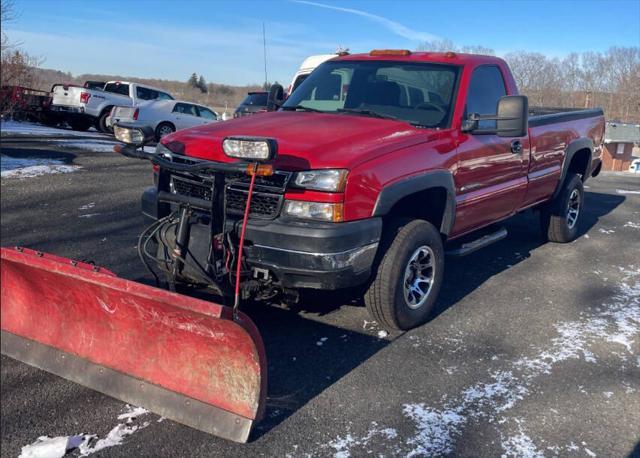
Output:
x,y
475,245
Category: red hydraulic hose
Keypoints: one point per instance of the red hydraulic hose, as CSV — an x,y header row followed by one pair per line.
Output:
x,y
236,299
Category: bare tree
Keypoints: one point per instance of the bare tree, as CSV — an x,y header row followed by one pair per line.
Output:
x,y
17,67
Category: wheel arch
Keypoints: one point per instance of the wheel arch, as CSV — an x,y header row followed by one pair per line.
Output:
x,y
429,195
577,159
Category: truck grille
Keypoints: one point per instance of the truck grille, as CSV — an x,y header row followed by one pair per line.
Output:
x,y
190,188
264,205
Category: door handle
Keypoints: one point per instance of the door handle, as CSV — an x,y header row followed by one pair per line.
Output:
x,y
516,146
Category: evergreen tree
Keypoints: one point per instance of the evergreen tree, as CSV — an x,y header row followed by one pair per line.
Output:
x,y
202,85
193,80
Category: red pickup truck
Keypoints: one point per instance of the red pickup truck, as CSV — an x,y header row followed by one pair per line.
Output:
x,y
386,163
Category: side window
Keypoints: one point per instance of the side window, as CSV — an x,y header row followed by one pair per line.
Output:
x,y
486,87
206,113
185,108
164,96
143,93
117,88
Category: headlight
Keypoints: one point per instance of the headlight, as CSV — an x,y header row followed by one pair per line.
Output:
x,y
255,149
137,136
319,211
332,180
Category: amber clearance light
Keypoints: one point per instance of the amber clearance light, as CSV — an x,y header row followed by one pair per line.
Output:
x,y
390,52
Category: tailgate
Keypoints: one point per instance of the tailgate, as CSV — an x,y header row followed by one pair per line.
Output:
x,y
67,95
123,113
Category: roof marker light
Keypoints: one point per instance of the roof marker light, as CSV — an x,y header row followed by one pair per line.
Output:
x,y
390,52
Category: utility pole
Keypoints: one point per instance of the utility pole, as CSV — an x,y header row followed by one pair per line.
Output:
x,y
264,49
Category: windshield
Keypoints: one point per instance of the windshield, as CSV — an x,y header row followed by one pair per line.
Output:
x,y
418,93
256,99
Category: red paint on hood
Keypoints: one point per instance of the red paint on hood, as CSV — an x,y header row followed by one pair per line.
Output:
x,y
307,140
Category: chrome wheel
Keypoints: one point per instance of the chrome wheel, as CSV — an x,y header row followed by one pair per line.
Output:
x,y
165,130
418,277
573,209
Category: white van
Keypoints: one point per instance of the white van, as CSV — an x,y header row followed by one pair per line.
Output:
x,y
309,65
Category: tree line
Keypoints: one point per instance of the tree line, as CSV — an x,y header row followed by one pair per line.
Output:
x,y
609,79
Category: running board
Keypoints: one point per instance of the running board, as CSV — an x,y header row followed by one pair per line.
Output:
x,y
475,245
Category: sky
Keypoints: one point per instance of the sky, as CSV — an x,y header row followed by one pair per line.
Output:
x,y
222,40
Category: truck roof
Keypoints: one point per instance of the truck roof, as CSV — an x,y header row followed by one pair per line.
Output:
x,y
453,58
137,84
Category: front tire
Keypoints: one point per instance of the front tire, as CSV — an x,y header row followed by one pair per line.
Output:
x,y
560,219
409,276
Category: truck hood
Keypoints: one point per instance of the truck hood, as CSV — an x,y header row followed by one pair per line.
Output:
x,y
306,140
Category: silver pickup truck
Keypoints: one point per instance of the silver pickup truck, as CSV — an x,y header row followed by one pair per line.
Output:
x,y
82,107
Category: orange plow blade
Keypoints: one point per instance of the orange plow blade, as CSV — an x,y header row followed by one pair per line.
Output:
x,y
183,358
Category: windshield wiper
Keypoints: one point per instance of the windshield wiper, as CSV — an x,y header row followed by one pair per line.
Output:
x,y
372,113
301,107
376,114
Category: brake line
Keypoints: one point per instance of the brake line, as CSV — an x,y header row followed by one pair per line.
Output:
x,y
236,298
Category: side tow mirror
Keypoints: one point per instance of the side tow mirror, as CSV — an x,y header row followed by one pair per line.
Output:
x,y
512,118
275,98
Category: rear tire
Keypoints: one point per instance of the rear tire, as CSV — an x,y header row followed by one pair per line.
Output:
x,y
560,219
164,128
101,124
408,277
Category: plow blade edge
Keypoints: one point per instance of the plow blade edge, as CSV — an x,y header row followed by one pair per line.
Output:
x,y
181,357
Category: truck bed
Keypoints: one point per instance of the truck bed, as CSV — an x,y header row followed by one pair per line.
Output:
x,y
540,116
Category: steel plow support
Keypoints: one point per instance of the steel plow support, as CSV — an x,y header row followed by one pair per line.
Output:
x,y
183,358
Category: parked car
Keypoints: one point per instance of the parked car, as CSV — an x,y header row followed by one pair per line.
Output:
x,y
254,102
424,155
165,116
82,107
635,166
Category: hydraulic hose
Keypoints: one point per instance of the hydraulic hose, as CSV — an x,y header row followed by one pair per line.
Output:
x,y
236,298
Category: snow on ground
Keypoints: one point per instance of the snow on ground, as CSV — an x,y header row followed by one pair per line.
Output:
x,y
38,130
437,428
86,444
97,146
12,167
626,191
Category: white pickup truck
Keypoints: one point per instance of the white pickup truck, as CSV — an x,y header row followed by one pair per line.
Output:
x,y
82,107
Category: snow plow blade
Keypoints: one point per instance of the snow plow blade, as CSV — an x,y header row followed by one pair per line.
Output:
x,y
180,357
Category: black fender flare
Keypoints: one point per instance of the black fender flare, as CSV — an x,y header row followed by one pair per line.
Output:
x,y
393,193
575,146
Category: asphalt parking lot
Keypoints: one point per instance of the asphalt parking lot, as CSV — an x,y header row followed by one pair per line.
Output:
x,y
533,349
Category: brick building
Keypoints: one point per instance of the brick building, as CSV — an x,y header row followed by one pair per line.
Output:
x,y
619,140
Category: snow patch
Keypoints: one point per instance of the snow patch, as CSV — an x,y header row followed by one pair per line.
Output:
x,y
607,231
8,128
436,429
625,191
382,334
38,170
520,445
87,444
632,224
343,445
52,447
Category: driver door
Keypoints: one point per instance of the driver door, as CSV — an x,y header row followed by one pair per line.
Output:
x,y
490,177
